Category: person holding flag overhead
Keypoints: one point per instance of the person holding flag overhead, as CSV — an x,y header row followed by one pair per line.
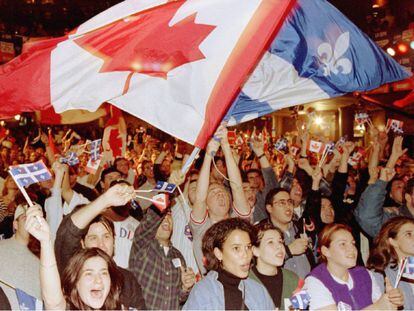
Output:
x,y
392,246
213,202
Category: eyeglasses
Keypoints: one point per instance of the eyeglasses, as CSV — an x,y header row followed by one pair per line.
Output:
x,y
283,202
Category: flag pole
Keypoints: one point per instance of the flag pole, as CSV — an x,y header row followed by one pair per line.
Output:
x,y
190,160
7,284
23,191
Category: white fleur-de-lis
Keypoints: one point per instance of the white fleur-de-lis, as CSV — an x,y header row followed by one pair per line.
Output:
x,y
331,60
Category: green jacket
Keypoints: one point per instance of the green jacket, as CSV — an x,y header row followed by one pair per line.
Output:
x,y
290,283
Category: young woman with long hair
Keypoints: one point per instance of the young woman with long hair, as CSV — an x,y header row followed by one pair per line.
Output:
x,y
91,279
337,283
227,250
394,242
269,252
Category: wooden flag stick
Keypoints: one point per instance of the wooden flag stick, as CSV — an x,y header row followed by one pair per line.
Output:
x,y
7,284
400,271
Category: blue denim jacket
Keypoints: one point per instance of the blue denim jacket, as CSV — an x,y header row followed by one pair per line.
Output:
x,y
370,212
208,294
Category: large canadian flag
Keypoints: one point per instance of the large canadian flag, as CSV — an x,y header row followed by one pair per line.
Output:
x,y
175,64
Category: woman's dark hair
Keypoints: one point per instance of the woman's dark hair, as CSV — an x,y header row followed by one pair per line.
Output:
x,y
260,230
383,253
325,236
72,274
107,223
217,234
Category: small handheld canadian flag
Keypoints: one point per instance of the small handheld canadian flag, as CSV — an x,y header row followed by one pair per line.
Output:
x,y
316,146
356,157
160,201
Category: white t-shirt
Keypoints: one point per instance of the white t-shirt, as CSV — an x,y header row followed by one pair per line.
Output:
x,y
55,211
321,297
124,234
182,237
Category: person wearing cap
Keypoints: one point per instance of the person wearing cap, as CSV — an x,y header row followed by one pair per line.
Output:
x,y
19,266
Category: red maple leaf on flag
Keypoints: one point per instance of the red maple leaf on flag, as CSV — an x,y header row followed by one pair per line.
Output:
x,y
145,43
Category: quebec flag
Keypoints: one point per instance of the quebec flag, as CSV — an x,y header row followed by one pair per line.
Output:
x,y
27,174
317,54
28,302
164,186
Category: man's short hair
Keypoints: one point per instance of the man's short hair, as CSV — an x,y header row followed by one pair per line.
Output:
x,y
254,170
107,171
270,195
118,160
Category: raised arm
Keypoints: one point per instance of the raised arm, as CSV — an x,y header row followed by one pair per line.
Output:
x,y
117,195
369,212
53,204
239,199
50,284
397,152
199,211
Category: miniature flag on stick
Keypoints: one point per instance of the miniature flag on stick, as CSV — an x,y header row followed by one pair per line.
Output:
x,y
164,186
160,200
395,125
409,267
27,174
401,268
356,157
95,149
300,300
281,144
362,117
315,146
71,159
28,302
92,166
294,150
329,149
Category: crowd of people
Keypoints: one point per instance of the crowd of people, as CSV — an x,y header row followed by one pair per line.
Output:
x,y
255,220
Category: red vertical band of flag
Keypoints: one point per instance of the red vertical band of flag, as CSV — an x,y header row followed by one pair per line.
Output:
x,y
263,27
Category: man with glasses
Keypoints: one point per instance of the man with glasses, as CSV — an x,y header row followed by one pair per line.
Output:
x,y
299,258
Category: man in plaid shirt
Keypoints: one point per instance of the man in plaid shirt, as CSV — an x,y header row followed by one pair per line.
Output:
x,y
158,266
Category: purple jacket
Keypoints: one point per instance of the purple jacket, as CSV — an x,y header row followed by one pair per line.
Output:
x,y
361,294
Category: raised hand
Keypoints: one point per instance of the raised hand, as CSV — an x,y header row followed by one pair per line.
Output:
x,y
387,174
348,147
176,177
58,167
397,150
221,134
36,225
395,295
212,147
257,145
118,195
